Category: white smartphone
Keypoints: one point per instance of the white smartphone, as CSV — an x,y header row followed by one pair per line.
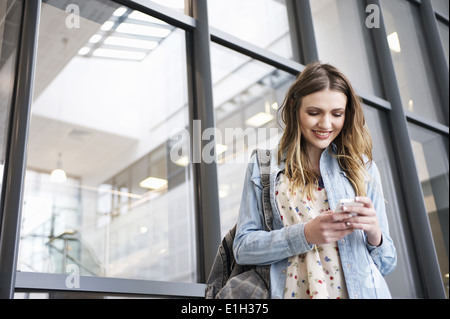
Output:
x,y
347,203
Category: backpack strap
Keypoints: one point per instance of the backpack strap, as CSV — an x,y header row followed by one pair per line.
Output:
x,y
264,156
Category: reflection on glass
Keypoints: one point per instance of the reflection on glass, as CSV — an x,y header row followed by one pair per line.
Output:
x,y
247,94
10,21
344,40
431,157
107,99
261,22
412,64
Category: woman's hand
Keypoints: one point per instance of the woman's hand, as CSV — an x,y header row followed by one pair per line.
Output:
x,y
327,228
366,220
330,227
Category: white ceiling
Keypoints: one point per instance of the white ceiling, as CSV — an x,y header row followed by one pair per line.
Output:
x,y
85,151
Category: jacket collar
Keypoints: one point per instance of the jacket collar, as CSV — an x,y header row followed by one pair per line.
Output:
x,y
332,146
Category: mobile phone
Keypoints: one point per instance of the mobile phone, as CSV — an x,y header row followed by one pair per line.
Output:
x,y
347,203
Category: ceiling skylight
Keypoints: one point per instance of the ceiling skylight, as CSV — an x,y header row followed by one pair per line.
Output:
x,y
129,35
138,29
119,54
131,42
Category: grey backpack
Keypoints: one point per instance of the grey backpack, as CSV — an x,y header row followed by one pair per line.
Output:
x,y
228,279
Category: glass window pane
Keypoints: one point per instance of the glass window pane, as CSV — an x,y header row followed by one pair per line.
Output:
x,y
404,282
431,156
244,91
10,22
413,69
107,98
261,22
344,40
444,35
247,94
441,6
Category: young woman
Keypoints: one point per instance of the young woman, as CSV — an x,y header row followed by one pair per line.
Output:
x,y
324,155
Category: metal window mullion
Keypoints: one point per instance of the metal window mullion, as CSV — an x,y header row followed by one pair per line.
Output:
x,y
255,52
442,18
294,31
15,159
427,123
30,281
420,226
206,190
305,30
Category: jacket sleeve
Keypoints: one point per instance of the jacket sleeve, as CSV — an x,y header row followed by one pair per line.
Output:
x,y
385,255
253,245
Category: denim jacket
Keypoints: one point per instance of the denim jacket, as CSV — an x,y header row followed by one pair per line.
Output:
x,y
363,265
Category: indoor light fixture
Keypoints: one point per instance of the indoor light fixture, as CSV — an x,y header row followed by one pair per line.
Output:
x,y
58,175
394,42
153,183
107,26
120,11
411,105
95,38
84,51
182,161
259,119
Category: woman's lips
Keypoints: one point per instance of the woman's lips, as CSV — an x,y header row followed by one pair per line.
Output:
x,y
322,134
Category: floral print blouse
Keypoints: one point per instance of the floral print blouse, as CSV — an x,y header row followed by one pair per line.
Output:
x,y
317,273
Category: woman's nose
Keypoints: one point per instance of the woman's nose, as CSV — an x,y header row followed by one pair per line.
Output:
x,y
325,122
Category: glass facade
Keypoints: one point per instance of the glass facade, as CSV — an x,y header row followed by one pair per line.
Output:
x,y
111,193
441,7
247,95
407,41
403,282
264,23
431,156
121,208
341,41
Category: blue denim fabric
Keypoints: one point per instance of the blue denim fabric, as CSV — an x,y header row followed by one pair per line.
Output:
x,y
364,266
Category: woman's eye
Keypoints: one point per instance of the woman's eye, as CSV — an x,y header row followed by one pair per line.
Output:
x,y
338,115
313,114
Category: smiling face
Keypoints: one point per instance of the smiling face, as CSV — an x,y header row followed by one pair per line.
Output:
x,y
321,116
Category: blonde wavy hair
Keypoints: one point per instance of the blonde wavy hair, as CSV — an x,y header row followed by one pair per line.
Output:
x,y
353,144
